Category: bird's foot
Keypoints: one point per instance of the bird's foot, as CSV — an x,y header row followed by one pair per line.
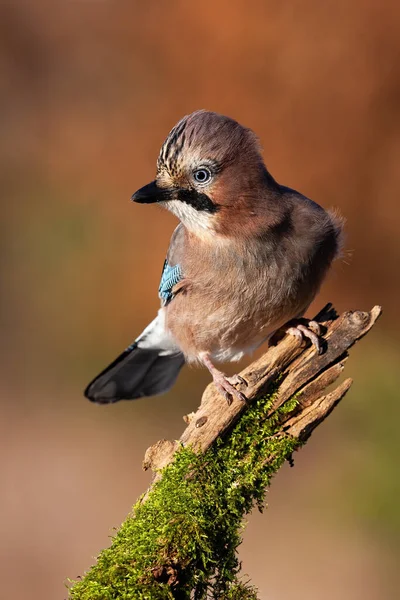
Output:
x,y
228,391
237,380
311,331
225,385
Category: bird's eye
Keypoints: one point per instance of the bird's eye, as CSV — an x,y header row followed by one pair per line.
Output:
x,y
202,175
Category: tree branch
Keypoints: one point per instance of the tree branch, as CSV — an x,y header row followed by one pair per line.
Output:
x,y
181,540
213,418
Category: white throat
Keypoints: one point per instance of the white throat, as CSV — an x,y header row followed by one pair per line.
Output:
x,y
201,223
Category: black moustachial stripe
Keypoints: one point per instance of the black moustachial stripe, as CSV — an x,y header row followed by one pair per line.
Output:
x,y
153,193
198,200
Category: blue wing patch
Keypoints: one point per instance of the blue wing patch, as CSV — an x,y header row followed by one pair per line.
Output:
x,y
170,277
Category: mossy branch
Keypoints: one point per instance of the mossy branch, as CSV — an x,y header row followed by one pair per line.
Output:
x,y
180,540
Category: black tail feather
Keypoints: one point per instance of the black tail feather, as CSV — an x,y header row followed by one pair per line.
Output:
x,y
135,373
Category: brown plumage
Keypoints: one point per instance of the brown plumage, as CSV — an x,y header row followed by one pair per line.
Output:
x,y
251,254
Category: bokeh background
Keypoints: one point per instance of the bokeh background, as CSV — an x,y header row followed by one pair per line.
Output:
x,y
88,91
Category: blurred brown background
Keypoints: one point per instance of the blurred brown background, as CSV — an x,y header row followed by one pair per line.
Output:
x,y
88,91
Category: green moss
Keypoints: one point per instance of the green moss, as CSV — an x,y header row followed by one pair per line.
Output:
x,y
188,530
290,405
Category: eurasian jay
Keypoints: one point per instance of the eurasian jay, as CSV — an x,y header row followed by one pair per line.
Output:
x,y
248,256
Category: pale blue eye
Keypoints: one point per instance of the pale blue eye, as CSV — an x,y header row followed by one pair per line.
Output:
x,y
202,175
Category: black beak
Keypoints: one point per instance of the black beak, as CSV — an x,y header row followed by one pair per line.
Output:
x,y
148,194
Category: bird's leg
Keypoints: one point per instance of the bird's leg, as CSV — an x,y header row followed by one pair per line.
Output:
x,y
312,331
224,384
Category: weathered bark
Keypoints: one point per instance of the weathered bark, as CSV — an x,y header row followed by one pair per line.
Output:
x,y
303,372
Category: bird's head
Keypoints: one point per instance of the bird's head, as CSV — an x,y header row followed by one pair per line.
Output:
x,y
210,174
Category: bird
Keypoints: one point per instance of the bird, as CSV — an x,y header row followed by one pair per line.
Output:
x,y
246,260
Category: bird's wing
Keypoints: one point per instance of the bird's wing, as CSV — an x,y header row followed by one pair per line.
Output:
x,y
169,278
147,367
172,272
151,364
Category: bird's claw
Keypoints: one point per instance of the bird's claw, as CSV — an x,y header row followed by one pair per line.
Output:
x,y
237,380
315,327
312,331
225,386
